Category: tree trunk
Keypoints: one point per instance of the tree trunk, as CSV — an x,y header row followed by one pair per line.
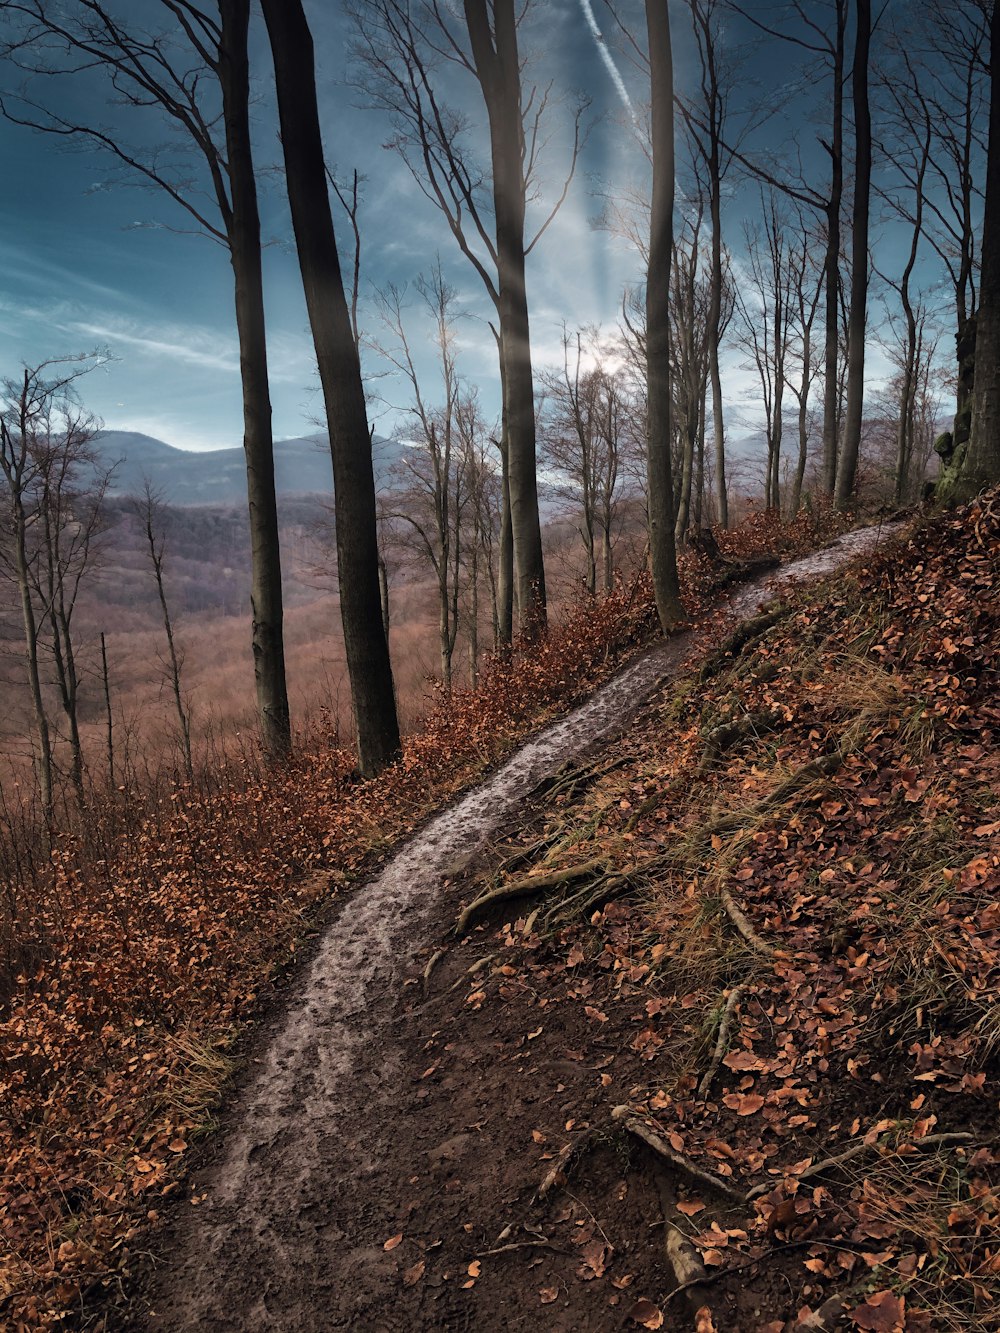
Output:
x,y
663,555
243,229
505,572
800,469
109,720
831,357
857,322
44,765
383,596
497,66
980,466
714,316
367,652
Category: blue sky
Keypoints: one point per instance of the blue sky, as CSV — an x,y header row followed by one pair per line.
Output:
x,y
88,261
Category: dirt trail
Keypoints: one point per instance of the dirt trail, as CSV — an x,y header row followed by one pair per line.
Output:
x,y
328,1138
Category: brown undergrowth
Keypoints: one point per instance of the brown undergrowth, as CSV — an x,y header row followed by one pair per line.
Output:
x,y
806,954
133,956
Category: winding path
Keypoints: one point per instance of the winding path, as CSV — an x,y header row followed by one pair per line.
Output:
x,y
314,1143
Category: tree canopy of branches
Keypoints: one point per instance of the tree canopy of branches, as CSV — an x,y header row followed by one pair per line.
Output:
x,y
195,74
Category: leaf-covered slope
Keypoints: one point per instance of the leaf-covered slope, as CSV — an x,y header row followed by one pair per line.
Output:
x,y
793,933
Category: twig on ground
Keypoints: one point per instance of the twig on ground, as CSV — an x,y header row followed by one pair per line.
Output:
x,y
540,1244
722,1041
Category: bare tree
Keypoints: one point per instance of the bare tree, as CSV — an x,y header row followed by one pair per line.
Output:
x,y
806,289
663,556
403,48
858,319
52,488
765,313
802,25
149,510
708,129
979,465
367,650
585,436
690,327
934,92
430,492
166,72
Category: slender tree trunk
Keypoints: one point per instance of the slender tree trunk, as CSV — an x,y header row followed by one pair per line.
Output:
x,y
383,595
858,319
243,229
904,433
505,573
981,465
474,607
109,720
800,469
831,356
714,317
245,251
660,487
156,560
699,475
495,53
42,732
367,652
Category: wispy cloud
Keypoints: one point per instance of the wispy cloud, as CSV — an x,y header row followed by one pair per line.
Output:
x,y
189,347
608,59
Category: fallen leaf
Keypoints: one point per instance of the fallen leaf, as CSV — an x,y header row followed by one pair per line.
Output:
x,y
595,1256
647,1314
690,1207
392,1242
744,1105
475,1268
413,1275
548,1294
881,1313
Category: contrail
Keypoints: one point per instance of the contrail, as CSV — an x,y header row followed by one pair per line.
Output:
x,y
607,58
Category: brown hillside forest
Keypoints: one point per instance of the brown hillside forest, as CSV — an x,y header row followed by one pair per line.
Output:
x,y
589,918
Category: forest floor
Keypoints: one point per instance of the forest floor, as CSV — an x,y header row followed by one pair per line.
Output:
x,y
720,1051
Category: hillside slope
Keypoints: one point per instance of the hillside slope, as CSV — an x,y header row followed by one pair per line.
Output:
x,y
766,1003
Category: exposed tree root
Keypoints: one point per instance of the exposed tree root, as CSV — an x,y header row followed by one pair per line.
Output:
x,y
432,963
521,888
593,896
472,971
683,1258
742,637
662,1149
742,923
859,1148
722,1041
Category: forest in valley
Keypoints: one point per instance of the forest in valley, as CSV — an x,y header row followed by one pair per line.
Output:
x,y
619,395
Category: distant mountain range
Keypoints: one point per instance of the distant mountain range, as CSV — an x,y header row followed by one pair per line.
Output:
x,y
218,476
